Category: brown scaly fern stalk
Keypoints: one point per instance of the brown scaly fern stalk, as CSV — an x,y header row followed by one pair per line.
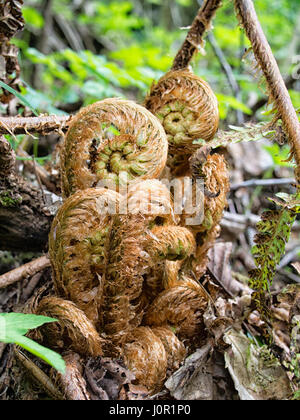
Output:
x,y
188,110
43,124
276,87
78,248
214,172
209,199
194,39
110,138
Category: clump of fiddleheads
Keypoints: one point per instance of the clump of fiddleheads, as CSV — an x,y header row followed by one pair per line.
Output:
x,y
188,110
110,138
125,263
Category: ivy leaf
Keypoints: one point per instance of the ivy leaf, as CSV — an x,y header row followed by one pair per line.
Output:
x,y
14,326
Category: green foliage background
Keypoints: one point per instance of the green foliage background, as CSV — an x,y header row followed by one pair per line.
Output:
x,y
81,51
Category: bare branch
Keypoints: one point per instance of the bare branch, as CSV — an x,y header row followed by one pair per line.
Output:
x,y
194,39
263,183
28,125
247,15
26,270
37,373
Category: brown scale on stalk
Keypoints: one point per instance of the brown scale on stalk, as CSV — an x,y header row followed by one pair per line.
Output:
x,y
188,110
212,170
110,138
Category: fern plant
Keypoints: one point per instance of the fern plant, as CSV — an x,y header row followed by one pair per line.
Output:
x,y
274,231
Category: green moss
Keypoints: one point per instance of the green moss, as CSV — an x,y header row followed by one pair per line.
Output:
x,y
8,200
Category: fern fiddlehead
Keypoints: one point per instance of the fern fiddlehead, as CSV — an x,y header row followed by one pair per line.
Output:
x,y
78,248
110,138
188,110
149,352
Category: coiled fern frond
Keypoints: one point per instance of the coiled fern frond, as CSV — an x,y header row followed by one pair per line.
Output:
x,y
73,329
78,248
110,138
188,110
149,352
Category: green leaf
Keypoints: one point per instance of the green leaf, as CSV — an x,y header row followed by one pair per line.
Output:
x,y
20,323
19,96
51,357
279,154
13,327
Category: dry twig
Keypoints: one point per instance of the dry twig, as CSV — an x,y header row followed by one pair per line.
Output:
x,y
43,124
41,378
24,271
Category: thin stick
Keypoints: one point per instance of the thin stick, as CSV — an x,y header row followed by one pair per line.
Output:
x,y
26,270
194,39
247,15
41,378
42,124
262,183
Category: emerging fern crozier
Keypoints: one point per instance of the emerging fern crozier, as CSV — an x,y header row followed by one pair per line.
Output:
x,y
78,248
149,353
110,138
188,110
